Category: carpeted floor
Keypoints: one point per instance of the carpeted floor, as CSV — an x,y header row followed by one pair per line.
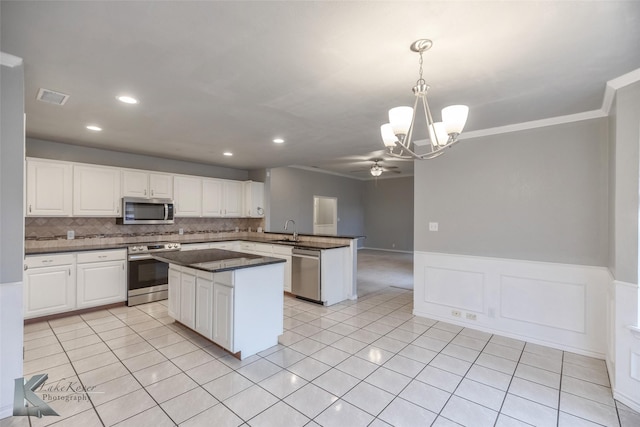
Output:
x,y
379,269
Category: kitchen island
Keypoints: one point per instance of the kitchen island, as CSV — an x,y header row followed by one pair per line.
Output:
x,y
231,298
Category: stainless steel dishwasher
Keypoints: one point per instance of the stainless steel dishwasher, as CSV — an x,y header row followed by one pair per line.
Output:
x,y
305,274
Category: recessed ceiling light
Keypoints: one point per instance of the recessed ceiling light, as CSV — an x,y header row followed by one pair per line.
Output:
x,y
278,140
127,99
228,153
94,128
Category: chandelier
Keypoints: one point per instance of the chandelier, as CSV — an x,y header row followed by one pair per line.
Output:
x,y
398,133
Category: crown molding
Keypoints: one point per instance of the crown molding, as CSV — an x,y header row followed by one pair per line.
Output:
x,y
552,121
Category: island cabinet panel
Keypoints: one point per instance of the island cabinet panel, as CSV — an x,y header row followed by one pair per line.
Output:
x,y
223,308
173,308
188,298
204,305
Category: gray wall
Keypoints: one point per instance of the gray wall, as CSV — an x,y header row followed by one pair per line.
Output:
x,y
291,197
75,153
11,174
388,213
624,175
537,195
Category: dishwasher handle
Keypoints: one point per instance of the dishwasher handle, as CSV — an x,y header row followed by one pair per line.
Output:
x,y
312,253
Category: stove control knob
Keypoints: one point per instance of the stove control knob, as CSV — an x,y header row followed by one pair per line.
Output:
x,y
141,248
134,248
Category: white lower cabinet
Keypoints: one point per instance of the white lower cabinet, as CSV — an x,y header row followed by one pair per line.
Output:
x,y
60,283
188,298
173,308
204,305
49,285
223,311
101,278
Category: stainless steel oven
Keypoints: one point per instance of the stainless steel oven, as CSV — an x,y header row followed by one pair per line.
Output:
x,y
148,278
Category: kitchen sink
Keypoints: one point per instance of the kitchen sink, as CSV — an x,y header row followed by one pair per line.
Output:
x,y
289,241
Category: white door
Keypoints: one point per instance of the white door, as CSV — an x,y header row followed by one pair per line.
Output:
x,y
96,191
187,192
49,290
325,215
188,299
135,184
223,316
174,293
161,186
204,307
49,188
211,197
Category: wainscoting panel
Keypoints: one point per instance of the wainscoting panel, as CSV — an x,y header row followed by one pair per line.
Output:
x,y
558,305
455,288
550,303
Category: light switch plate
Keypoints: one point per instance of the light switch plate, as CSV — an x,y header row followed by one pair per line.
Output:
x,y
71,235
433,226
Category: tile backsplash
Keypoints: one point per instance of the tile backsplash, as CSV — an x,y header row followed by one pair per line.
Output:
x,y
54,228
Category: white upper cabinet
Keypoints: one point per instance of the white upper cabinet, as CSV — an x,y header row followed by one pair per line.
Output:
x,y
49,188
254,199
147,185
233,198
161,185
212,197
221,197
96,191
187,192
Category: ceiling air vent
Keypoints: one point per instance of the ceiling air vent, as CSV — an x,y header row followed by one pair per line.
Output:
x,y
52,97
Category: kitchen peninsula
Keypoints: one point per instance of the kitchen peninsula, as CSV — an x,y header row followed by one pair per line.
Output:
x,y
232,298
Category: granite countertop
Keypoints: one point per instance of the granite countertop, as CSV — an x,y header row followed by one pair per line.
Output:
x,y
215,260
186,240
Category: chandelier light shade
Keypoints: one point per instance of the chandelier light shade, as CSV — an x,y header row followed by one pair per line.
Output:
x,y
397,135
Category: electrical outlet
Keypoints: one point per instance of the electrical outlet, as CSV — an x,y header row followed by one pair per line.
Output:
x,y
456,313
471,316
181,231
71,235
433,226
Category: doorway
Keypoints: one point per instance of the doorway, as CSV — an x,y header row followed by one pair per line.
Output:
x,y
325,215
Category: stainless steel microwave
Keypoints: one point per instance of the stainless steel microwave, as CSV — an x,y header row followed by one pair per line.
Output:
x,y
146,211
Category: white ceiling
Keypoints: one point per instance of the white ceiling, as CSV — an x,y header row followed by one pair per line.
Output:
x,y
216,76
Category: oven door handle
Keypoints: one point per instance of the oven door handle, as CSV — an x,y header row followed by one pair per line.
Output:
x,y
139,257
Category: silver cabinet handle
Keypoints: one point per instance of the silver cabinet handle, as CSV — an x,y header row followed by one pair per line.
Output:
x,y
29,208
26,267
152,192
102,256
145,191
47,261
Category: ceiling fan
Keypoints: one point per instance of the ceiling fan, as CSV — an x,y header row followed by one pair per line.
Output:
x,y
376,169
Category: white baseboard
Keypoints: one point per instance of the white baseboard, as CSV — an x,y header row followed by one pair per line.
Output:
x,y
557,305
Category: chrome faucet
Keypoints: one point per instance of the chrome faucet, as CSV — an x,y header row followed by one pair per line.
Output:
x,y
295,232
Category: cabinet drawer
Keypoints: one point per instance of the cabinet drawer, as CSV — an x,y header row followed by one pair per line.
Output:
x,y
99,256
282,250
35,261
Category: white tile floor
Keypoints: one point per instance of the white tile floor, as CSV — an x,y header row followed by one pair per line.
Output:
x,y
364,363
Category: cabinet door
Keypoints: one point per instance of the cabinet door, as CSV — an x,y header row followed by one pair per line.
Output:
x,y
174,293
101,283
204,306
161,186
188,299
232,192
49,290
49,188
223,316
187,193
212,197
96,191
135,184
254,199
